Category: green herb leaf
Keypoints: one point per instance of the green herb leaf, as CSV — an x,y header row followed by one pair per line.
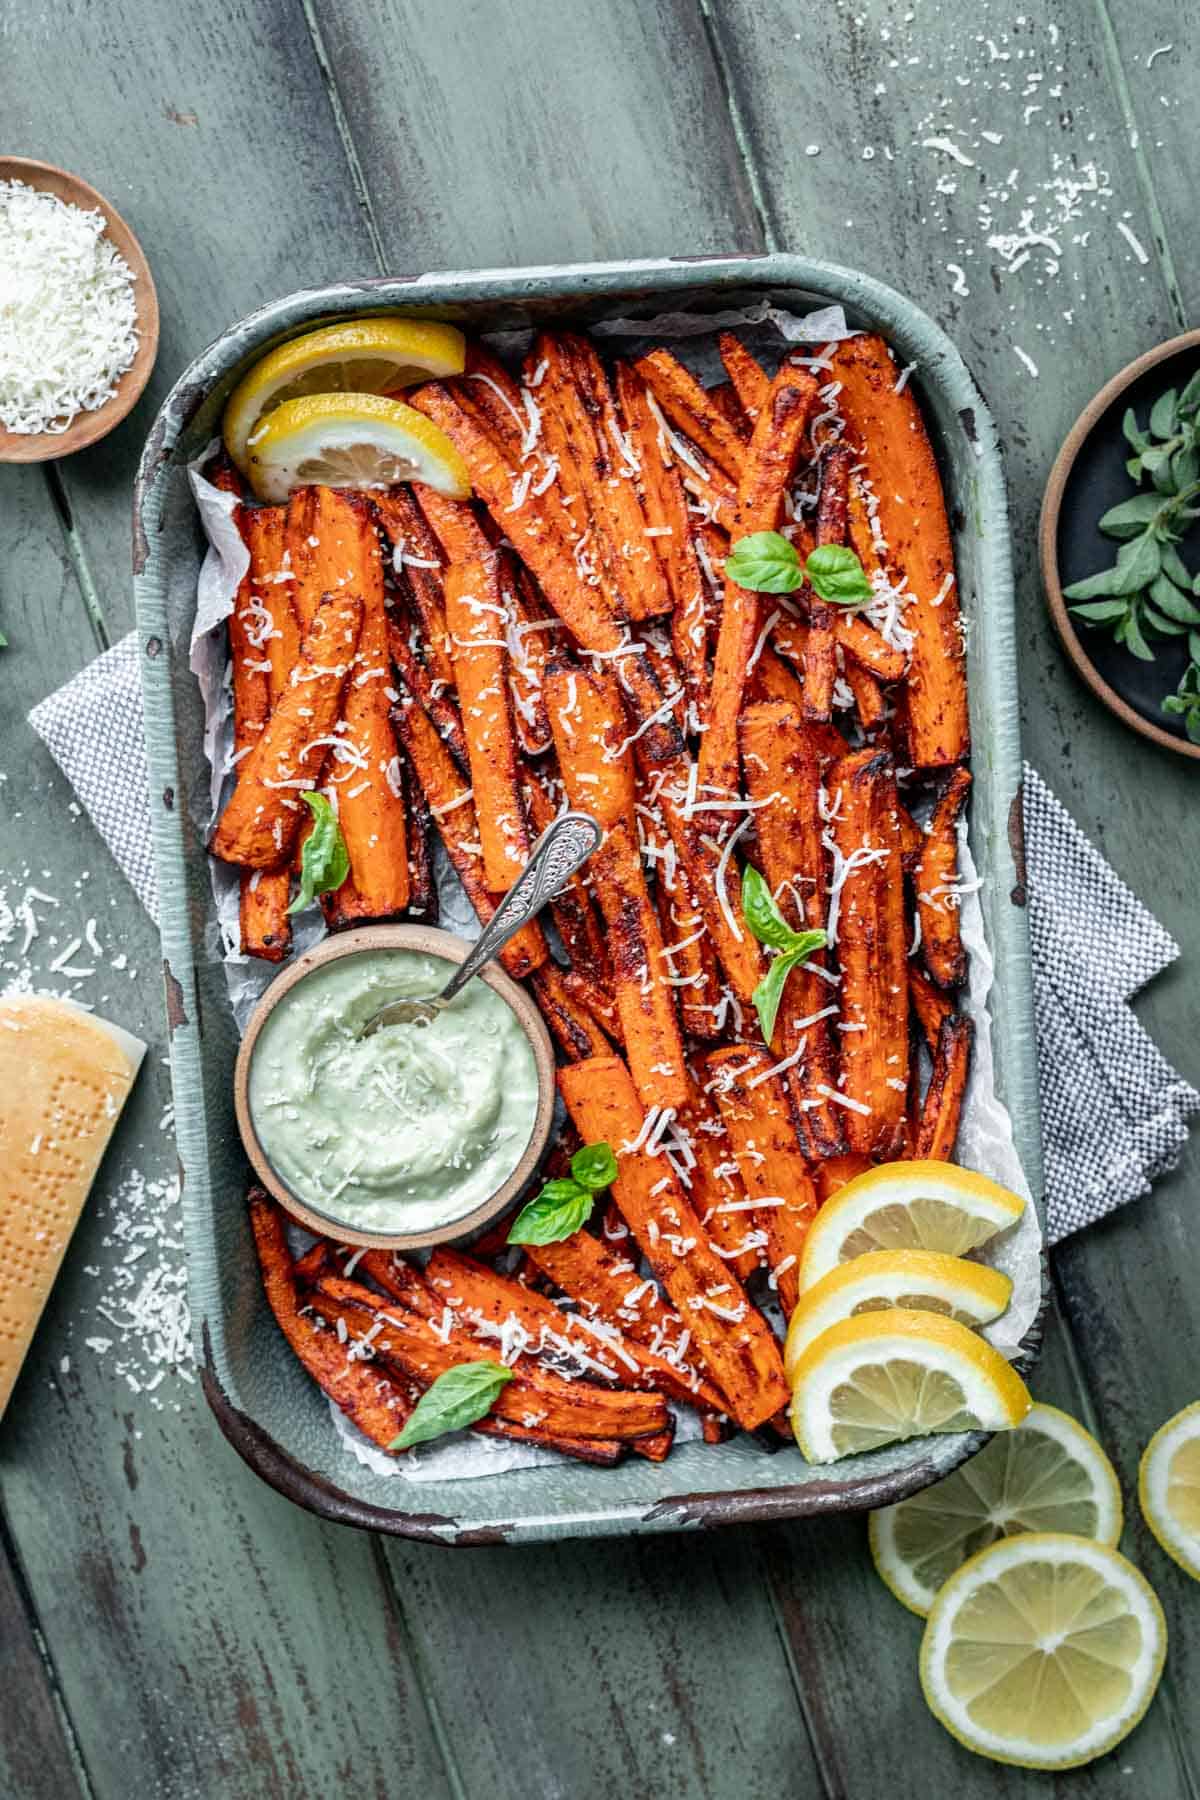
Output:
x,y
1185,468
769,992
1137,564
765,563
1160,623
1133,638
1133,433
3,641
1130,517
594,1167
1189,400
837,576
760,912
457,1398
556,1213
1168,598
1174,567
1164,414
324,860
1106,582
1101,612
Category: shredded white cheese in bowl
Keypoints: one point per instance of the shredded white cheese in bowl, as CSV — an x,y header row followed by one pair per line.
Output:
x,y
68,316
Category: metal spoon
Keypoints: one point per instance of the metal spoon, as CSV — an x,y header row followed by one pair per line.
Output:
x,y
562,848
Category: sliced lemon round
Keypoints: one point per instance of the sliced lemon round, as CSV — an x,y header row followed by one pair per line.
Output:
x,y
881,1376
918,1280
364,356
351,440
907,1206
1169,1487
1047,1475
1044,1651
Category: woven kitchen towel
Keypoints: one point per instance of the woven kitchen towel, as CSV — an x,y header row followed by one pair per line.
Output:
x,y
1114,1112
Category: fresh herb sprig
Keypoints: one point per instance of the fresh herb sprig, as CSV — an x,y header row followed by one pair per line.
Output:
x,y
767,563
324,860
457,1398
792,948
565,1204
1149,591
1184,703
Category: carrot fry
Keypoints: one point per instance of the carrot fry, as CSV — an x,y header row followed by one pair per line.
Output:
x,y
307,1268
458,533
873,951
820,664
930,1006
869,702
608,1287
730,1336
689,962
262,819
769,461
573,912
495,395
911,512
417,559
477,618
597,768
869,648
531,633
424,688
262,627
453,808
783,765
595,1001
713,878
523,519
573,1025
692,409
725,398
716,1192
750,380
935,882
836,1172
947,1088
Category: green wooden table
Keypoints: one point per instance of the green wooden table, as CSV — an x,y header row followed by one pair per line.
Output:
x,y
169,1626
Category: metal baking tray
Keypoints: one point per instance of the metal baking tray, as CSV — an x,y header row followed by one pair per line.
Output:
x,y
264,1402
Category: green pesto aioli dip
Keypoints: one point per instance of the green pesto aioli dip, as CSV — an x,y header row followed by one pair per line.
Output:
x,y
406,1130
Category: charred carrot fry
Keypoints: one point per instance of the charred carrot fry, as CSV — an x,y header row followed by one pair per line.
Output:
x,y
757,1115
935,881
750,380
264,644
689,962
912,838
477,618
307,1268
433,696
573,912
873,951
458,533
769,461
506,494
595,1001
717,1193
911,513
692,409
713,877
597,768
497,397
608,1287
783,766
947,1087
836,1172
869,648
869,702
724,397
260,824
531,634
820,665
731,1338
453,808
578,1034
931,1007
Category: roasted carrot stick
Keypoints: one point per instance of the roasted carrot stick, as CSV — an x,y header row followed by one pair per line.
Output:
x,y
532,631
691,408
757,1115
260,824
750,380
597,768
414,676
769,461
453,808
595,1001
716,1192
730,1336
911,513
837,1171
872,949
578,1034
573,912
713,875
869,702
689,963
506,494
418,558
609,1287
820,666
947,1087
930,1006
935,882
263,645
477,618
422,889
724,397
458,532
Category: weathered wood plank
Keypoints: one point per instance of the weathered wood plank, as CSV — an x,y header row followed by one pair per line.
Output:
x,y
35,1759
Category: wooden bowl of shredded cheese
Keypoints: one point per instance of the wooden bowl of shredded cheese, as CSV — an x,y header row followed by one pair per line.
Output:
x,y
79,324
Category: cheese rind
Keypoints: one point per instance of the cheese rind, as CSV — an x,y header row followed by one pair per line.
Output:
x,y
64,1077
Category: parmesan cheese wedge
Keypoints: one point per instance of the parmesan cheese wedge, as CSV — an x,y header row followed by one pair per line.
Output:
x,y
64,1077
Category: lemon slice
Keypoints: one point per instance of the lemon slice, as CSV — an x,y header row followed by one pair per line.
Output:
x,y
918,1280
365,356
907,1206
1047,1475
351,440
881,1376
1044,1651
1169,1487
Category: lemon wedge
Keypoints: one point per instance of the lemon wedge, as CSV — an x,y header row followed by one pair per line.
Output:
x,y
351,440
1169,1487
1047,1475
907,1206
917,1280
881,1376
364,356
1043,1651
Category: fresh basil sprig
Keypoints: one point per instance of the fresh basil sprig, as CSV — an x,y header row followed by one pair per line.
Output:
x,y
792,948
324,860
767,563
1149,591
458,1397
565,1204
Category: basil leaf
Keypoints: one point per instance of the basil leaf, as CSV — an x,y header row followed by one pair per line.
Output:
x,y
1164,414
837,576
1106,582
324,860
1130,517
1101,612
557,1212
765,563
594,1167
760,912
457,1398
769,992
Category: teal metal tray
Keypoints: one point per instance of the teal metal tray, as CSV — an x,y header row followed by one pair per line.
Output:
x,y
265,1403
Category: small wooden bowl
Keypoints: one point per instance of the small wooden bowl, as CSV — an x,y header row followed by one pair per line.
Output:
x,y
1084,474
427,941
89,427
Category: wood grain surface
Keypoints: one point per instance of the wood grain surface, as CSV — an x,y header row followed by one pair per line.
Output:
x,y
167,1624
